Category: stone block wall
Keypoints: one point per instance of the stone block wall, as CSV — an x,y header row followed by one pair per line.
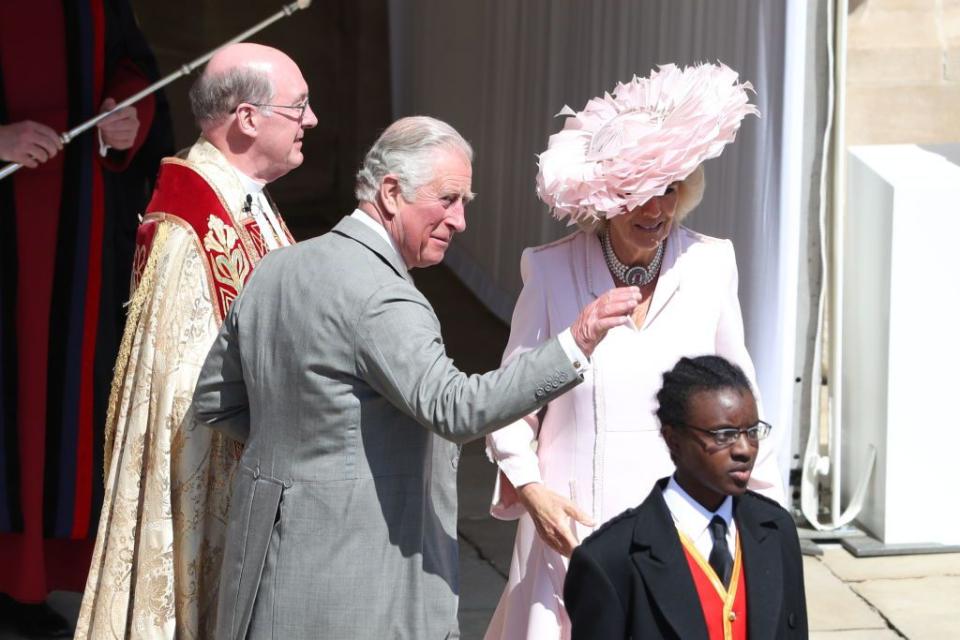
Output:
x,y
903,71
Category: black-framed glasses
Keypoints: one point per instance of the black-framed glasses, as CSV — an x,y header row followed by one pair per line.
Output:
x,y
726,436
302,107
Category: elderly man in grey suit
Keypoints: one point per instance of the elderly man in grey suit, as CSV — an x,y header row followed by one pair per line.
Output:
x,y
331,369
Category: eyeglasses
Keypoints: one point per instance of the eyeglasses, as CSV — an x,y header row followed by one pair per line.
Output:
x,y
302,107
726,436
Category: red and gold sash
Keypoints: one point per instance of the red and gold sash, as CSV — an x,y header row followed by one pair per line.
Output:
x,y
724,609
184,196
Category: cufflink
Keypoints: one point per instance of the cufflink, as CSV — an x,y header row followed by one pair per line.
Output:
x,y
455,459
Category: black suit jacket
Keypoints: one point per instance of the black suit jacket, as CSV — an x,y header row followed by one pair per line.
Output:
x,y
630,579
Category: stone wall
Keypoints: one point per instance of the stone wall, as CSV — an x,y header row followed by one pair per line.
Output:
x,y
903,71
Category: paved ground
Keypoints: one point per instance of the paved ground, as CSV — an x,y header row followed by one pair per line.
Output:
x,y
916,597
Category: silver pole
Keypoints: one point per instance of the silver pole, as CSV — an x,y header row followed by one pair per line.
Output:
x,y
184,70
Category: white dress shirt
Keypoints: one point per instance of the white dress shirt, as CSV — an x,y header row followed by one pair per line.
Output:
x,y
693,519
262,212
577,358
362,216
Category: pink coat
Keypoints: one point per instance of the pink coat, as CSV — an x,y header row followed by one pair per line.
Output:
x,y
599,444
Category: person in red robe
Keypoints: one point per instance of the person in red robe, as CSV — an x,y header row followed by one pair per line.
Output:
x,y
702,558
156,565
69,220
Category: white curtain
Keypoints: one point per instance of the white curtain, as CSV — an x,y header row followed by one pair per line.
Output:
x,y
498,70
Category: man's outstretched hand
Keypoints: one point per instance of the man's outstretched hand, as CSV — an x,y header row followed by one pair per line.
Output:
x,y
610,310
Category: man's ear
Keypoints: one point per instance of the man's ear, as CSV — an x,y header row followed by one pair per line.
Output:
x,y
248,119
391,195
670,438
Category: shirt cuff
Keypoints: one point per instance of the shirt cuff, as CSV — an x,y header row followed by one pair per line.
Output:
x,y
521,470
577,358
104,147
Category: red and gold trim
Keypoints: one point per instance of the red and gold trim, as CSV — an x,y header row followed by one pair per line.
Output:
x,y
724,608
230,249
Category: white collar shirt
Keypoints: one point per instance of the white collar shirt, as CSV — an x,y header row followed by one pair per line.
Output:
x,y
693,519
362,216
257,205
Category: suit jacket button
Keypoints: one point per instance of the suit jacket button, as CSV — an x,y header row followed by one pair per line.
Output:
x,y
792,620
732,616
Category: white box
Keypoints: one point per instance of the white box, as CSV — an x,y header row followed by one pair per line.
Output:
x,y
901,340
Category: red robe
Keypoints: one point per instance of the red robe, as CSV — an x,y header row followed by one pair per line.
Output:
x,y
58,307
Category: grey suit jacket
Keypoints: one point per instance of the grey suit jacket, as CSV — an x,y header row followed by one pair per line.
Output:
x,y
331,368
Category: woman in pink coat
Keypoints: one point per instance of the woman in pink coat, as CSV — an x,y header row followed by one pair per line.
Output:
x,y
627,169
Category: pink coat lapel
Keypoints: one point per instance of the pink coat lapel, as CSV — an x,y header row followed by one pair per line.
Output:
x,y
599,280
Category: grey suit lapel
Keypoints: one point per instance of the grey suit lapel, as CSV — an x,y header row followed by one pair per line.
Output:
x,y
659,558
760,545
356,230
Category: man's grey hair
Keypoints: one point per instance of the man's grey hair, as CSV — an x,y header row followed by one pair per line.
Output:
x,y
214,96
408,150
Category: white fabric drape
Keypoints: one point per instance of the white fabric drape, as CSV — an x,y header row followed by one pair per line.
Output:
x,y
498,70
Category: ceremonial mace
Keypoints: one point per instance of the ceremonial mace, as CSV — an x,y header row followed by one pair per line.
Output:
x,y
186,69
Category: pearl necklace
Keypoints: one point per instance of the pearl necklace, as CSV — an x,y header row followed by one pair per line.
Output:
x,y
637,276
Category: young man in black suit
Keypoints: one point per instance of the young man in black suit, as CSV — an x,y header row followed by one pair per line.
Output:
x,y
702,557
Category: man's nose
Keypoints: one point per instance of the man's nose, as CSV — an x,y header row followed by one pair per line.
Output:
x,y
742,448
309,118
457,220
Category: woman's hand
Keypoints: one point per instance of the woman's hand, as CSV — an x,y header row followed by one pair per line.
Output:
x,y
552,515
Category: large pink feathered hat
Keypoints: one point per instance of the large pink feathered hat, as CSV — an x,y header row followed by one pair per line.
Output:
x,y
622,150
